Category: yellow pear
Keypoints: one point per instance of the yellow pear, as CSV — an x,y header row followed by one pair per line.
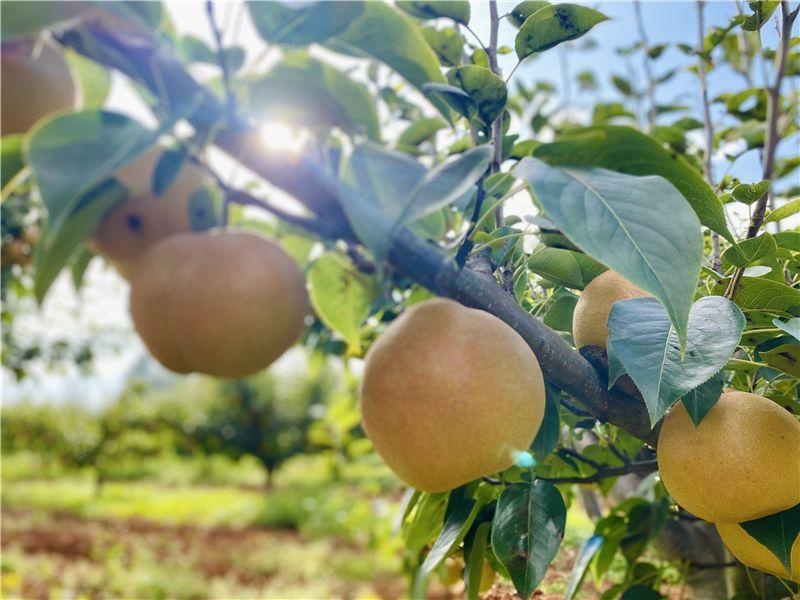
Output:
x,y
450,394
36,82
594,305
741,463
753,554
226,304
135,224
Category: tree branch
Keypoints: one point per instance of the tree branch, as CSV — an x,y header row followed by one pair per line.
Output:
x,y
497,126
648,73
144,62
642,468
772,135
716,260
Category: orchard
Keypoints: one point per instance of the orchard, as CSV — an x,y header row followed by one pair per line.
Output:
x,y
549,299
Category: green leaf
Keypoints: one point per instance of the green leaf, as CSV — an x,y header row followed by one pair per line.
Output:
x,y
426,521
28,18
627,150
589,548
762,11
618,220
622,84
553,24
549,433
447,43
646,343
458,10
447,182
95,81
70,155
194,50
751,250
559,315
303,90
792,326
13,160
79,265
420,131
287,23
394,39
782,353
486,90
525,9
557,265
764,294
777,532
58,246
702,399
527,530
167,168
341,296
202,210
747,193
782,212
475,545
462,509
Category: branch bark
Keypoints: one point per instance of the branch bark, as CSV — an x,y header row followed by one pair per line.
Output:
x,y
153,67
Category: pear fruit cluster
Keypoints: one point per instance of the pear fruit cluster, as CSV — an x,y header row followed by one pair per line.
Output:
x,y
37,82
450,394
741,463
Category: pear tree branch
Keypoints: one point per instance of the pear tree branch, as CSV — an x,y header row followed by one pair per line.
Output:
x,y
152,66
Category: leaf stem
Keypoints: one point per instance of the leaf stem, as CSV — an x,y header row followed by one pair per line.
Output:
x,y
651,83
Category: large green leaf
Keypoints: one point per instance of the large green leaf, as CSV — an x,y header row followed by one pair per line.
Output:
x,y
307,91
523,10
751,250
527,530
288,23
549,432
792,326
475,545
12,160
419,131
643,339
782,353
341,296
782,212
486,90
59,246
627,150
619,220
458,10
777,532
394,39
447,43
557,265
95,81
71,155
553,24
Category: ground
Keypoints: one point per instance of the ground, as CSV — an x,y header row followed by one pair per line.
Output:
x,y
63,537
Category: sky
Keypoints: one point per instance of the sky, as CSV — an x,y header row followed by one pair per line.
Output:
x,y
100,308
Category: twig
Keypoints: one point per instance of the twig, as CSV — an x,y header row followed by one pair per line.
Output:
x,y
772,135
641,467
716,261
575,454
467,244
497,126
230,99
651,83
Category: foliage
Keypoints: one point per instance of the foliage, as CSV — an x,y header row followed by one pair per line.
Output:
x,y
415,150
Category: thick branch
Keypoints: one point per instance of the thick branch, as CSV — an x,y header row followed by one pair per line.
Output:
x,y
420,261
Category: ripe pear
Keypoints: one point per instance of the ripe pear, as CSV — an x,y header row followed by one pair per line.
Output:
x,y
226,304
450,394
594,305
757,556
37,81
741,463
135,224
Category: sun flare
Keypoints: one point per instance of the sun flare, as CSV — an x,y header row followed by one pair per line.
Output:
x,y
280,137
